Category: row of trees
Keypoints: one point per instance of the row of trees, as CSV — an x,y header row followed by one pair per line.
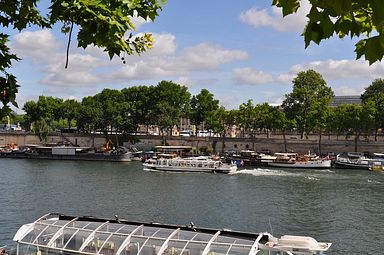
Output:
x,y
306,109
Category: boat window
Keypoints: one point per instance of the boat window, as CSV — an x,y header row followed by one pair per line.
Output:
x,y
46,235
219,249
98,243
196,248
176,247
77,241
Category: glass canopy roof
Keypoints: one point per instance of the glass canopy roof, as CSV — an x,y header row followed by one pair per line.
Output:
x,y
58,234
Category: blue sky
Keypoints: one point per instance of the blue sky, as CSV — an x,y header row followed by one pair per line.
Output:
x,y
238,50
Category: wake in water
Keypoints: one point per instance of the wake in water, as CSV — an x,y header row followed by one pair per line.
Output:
x,y
312,175
266,172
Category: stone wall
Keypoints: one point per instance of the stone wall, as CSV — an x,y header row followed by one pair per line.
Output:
x,y
205,143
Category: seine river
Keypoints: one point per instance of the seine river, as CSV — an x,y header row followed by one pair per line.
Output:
x,y
344,207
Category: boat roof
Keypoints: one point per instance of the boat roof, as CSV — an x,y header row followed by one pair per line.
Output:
x,y
89,235
285,154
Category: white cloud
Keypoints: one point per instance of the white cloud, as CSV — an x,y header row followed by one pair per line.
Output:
x,y
348,90
340,69
92,67
286,78
206,56
69,78
273,18
230,102
251,76
39,45
163,44
202,58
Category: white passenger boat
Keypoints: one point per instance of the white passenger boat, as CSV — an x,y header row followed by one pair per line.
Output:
x,y
292,160
199,164
55,234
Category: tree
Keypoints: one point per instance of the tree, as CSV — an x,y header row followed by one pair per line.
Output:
x,y
90,115
70,111
104,24
219,121
42,128
172,101
202,105
307,103
354,119
247,118
374,95
142,104
354,18
48,108
110,101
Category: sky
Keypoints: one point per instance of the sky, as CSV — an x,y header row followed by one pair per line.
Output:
x,y
238,50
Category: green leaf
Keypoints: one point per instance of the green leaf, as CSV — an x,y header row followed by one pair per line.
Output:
x,y
288,6
340,7
373,50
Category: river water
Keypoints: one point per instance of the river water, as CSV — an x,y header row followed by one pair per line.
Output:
x,y
344,207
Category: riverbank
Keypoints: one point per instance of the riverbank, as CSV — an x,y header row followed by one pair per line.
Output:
x,y
274,143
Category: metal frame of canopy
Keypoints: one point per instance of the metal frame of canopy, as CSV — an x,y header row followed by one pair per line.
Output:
x,y
60,234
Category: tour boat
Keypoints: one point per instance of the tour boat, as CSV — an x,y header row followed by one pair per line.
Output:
x,y
198,164
292,160
68,235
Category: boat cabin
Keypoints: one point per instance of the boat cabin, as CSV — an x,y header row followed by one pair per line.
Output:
x,y
69,235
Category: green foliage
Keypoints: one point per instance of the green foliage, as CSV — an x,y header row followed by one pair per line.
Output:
x,y
354,119
172,103
105,23
307,104
373,97
363,19
202,105
100,23
42,128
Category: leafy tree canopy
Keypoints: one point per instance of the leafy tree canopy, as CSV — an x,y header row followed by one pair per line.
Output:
x,y
354,18
308,102
101,23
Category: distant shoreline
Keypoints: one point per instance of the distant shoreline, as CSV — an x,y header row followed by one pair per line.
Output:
x,y
212,144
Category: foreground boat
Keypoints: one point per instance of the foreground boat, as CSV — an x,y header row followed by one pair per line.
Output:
x,y
60,234
292,160
199,164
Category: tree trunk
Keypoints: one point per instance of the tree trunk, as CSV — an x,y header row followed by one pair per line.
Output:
x,y
376,134
320,142
356,140
223,145
285,141
253,141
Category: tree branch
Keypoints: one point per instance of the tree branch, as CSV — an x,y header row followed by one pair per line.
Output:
x,y
68,45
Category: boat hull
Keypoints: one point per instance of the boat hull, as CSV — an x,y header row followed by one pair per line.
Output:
x,y
188,165
320,164
348,165
185,169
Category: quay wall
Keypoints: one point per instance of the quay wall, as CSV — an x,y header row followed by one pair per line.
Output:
x,y
275,144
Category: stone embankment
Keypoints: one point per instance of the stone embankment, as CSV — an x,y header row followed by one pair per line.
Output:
x,y
275,143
